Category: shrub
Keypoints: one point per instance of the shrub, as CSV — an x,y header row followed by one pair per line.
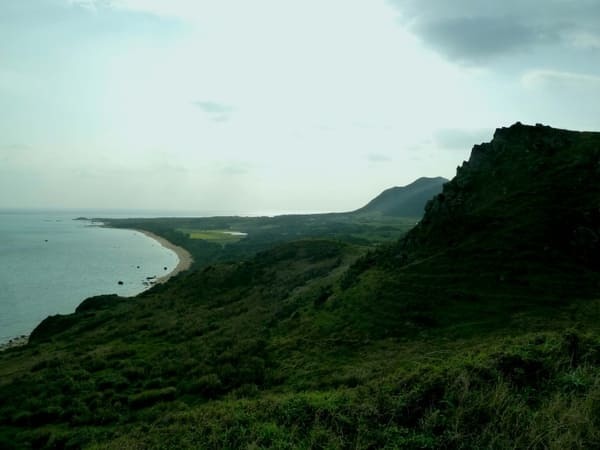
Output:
x,y
147,398
208,386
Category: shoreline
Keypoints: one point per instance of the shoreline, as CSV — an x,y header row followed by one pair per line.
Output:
x,y
184,257
184,263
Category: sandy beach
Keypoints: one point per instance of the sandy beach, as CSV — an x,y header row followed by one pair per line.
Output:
x,y
185,259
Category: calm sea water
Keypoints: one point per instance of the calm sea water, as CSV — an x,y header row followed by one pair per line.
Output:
x,y
49,263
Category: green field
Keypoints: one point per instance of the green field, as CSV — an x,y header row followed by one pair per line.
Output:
x,y
217,236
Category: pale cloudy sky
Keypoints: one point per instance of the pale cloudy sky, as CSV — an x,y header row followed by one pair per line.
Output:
x,y
274,105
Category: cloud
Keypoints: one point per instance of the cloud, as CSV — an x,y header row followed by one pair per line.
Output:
x,y
213,107
459,139
88,4
234,168
217,112
378,158
477,31
16,154
477,39
55,20
585,40
182,9
550,78
14,147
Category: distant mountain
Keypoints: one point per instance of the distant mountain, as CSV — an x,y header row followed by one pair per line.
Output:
x,y
405,201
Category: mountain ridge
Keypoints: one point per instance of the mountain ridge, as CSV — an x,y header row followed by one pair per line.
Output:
x,y
406,201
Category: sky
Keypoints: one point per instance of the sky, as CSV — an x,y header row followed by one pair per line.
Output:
x,y
274,105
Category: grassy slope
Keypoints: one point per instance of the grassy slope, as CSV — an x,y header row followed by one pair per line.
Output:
x,y
459,336
275,353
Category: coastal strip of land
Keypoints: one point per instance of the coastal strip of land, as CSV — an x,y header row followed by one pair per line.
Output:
x,y
185,258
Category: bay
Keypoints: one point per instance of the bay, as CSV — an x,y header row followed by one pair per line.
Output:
x,y
49,263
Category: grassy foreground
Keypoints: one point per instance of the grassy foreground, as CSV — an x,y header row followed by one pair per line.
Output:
x,y
280,352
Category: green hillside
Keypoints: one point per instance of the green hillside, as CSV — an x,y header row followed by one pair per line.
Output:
x,y
477,329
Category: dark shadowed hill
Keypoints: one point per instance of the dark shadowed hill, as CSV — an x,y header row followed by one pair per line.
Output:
x,y
404,201
531,193
517,229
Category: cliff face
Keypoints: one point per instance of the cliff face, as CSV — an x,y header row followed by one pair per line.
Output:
x,y
531,192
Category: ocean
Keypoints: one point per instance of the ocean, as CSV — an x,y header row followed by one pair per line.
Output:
x,y
49,263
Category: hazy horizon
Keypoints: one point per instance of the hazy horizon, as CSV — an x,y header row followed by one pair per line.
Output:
x,y
113,213
187,105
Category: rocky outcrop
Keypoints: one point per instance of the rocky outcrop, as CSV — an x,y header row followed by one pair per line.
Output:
x,y
532,189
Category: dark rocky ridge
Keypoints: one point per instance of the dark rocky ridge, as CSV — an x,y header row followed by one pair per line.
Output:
x,y
531,190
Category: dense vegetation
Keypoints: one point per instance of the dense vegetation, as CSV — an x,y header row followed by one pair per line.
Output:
x,y
478,329
207,241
